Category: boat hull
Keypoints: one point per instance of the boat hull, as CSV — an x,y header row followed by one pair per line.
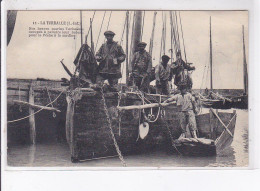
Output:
x,y
90,137
240,102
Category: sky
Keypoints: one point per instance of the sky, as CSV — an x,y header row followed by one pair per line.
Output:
x,y
30,58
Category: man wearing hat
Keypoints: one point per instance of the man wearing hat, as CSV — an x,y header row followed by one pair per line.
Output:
x,y
110,56
178,69
163,76
141,68
186,105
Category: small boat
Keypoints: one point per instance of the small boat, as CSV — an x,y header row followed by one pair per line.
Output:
x,y
215,133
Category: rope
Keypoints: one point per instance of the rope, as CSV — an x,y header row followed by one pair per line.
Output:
x,y
162,37
100,30
171,137
182,38
109,20
132,35
142,27
173,33
111,130
204,72
152,35
157,116
121,41
53,114
177,30
36,111
123,32
92,22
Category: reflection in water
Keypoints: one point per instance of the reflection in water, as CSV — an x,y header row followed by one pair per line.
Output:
x,y
58,154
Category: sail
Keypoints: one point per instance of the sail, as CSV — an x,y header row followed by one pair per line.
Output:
x,y
11,18
86,63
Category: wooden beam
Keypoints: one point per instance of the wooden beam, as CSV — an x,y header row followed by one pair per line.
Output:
x,y
144,106
223,124
36,106
32,118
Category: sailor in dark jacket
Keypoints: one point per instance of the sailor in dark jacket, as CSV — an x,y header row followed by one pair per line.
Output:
x,y
163,76
141,68
178,69
110,56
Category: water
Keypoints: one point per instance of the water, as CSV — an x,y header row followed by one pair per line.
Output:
x,y
58,155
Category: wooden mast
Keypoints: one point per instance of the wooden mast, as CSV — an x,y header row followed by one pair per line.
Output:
x,y
152,36
137,30
245,65
91,36
127,34
81,32
211,79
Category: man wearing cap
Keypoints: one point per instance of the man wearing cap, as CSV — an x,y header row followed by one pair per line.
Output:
x,y
178,69
141,68
110,56
163,76
186,105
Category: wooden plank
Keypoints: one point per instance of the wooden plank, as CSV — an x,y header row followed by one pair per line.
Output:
x,y
221,122
36,106
152,105
225,140
32,117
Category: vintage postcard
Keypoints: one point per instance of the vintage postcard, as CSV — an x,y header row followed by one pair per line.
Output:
x,y
127,88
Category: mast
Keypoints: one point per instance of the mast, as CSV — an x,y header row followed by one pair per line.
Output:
x,y
91,36
127,34
211,80
81,32
245,65
152,36
137,30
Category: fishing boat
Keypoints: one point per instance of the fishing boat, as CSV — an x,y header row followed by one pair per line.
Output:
x,y
241,102
211,98
100,123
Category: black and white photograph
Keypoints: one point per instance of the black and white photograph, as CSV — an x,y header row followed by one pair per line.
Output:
x,y
127,88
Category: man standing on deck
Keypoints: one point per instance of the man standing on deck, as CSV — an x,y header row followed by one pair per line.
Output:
x,y
178,69
186,106
141,68
163,76
110,56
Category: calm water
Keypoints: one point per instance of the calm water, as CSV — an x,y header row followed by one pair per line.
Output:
x,y
58,155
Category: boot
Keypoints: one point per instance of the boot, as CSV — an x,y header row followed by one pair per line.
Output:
x,y
194,134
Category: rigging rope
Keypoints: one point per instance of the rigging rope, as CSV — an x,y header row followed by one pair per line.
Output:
x,y
152,35
36,111
92,22
177,31
109,20
100,30
121,41
162,38
142,27
173,32
182,38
